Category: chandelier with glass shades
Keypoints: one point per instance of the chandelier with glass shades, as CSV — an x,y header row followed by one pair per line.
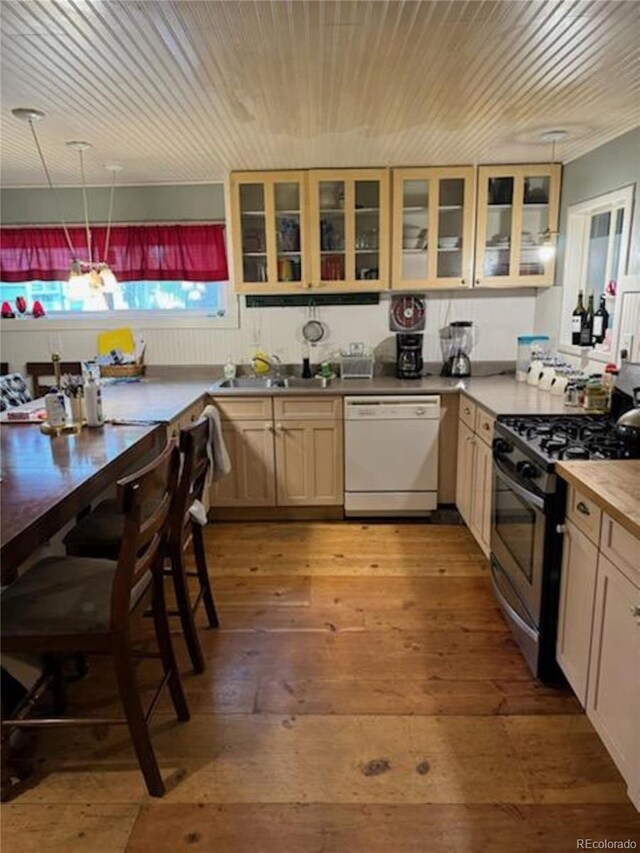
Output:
x,y
89,270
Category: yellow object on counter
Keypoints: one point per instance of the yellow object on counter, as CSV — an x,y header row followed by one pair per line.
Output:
x,y
121,339
261,362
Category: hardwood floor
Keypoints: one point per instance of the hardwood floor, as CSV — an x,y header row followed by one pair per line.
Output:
x,y
363,694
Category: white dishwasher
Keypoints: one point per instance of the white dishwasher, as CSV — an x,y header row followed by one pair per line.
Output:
x,y
391,455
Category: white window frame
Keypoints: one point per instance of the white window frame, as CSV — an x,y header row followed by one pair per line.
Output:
x,y
575,265
153,319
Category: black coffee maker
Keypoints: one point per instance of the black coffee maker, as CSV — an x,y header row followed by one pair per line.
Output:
x,y
409,361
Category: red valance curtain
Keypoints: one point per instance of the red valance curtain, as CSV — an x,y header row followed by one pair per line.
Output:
x,y
136,252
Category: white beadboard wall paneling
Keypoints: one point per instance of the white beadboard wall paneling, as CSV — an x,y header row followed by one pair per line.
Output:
x,y
186,90
498,319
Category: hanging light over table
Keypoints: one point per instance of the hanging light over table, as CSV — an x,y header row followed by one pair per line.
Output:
x,y
91,271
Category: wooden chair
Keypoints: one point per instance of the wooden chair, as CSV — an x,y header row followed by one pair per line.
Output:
x,y
89,606
98,535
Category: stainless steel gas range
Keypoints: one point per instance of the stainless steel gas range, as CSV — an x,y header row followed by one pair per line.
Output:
x,y
528,507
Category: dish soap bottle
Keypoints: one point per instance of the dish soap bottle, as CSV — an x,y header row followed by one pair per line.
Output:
x,y
93,402
229,369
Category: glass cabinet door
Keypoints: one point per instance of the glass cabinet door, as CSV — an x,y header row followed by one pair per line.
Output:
x,y
268,231
432,228
349,223
517,225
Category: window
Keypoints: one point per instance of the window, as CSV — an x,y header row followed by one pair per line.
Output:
x,y
162,273
597,246
60,296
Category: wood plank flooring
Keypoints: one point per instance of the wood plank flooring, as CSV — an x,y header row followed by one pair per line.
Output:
x,y
363,694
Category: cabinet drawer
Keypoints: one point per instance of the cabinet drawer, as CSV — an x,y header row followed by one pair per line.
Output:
x,y
467,412
584,513
244,408
622,548
484,425
307,408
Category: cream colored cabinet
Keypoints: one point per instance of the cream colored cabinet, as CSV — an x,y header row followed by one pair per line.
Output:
x,y
285,451
464,476
481,490
252,479
598,645
269,232
349,229
309,463
516,225
474,482
613,703
432,228
575,616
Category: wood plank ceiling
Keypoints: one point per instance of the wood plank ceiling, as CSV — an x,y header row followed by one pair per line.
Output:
x,y
184,91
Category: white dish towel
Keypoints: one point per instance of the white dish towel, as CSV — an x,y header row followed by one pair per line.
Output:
x,y
219,461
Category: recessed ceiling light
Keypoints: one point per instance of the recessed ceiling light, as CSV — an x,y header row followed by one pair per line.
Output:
x,y
554,135
77,145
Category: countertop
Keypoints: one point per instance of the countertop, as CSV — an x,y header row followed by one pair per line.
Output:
x,y
162,400
613,485
500,395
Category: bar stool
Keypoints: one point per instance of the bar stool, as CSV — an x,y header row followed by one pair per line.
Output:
x,y
82,605
98,535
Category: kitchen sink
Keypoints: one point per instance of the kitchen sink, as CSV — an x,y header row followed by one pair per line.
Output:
x,y
274,382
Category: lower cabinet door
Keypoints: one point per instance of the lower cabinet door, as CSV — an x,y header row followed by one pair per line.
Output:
x,y
577,594
252,479
309,463
464,474
613,703
481,488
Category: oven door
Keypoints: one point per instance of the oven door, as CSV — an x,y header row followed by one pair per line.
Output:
x,y
517,537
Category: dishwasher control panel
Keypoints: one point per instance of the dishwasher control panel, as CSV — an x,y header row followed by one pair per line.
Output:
x,y
395,407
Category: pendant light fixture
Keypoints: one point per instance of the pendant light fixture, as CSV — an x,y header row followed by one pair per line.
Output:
x,y
96,273
547,238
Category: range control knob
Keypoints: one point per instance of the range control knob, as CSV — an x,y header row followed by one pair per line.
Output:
x,y
528,470
501,446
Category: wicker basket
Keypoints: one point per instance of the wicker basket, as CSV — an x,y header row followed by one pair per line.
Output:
x,y
122,371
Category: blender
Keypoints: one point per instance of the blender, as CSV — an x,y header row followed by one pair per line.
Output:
x,y
457,343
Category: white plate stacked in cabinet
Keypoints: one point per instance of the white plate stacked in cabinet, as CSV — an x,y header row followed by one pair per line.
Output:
x,y
598,646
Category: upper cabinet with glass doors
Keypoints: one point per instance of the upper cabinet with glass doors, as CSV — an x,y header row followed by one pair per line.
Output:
x,y
433,211
269,231
517,225
349,229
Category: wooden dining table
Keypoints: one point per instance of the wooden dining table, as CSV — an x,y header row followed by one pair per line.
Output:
x,y
45,481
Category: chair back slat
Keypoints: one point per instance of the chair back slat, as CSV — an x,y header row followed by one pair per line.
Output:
x,y
146,499
194,441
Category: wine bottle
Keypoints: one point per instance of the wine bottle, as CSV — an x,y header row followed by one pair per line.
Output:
x,y
600,322
586,332
576,320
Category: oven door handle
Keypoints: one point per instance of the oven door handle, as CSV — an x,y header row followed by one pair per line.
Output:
x,y
525,494
517,619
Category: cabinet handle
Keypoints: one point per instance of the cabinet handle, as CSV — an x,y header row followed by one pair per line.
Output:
x,y
477,281
280,428
583,508
268,427
561,528
486,426
463,281
635,609
467,410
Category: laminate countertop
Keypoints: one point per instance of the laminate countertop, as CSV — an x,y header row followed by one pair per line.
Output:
x,y
499,395
162,400
613,485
